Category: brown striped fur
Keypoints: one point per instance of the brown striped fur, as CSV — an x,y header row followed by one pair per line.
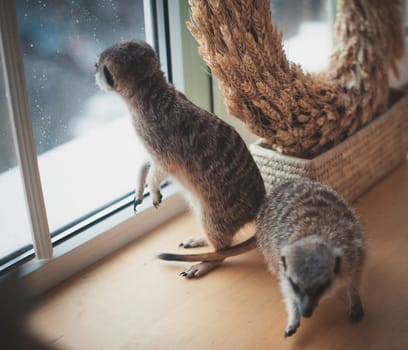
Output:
x,y
203,153
312,240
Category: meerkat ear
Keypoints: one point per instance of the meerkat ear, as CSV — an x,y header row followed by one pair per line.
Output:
x,y
283,260
337,265
108,76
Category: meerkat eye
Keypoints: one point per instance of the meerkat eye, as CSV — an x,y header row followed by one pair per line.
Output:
x,y
295,287
283,262
108,76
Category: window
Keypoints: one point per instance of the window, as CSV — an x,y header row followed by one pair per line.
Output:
x,y
307,28
88,152
13,213
85,146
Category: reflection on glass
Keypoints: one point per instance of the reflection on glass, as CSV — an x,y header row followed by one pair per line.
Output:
x,y
307,28
15,231
87,150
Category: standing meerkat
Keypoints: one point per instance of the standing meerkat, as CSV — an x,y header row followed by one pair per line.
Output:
x,y
312,240
203,153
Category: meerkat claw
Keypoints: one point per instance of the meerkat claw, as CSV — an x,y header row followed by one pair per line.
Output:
x,y
189,273
136,202
291,330
157,199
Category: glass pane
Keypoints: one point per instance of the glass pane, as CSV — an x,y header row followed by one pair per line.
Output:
x,y
307,28
14,228
88,152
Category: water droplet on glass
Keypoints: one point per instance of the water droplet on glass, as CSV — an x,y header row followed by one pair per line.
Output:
x,y
31,45
77,20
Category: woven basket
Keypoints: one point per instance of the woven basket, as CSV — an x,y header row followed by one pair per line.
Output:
x,y
351,167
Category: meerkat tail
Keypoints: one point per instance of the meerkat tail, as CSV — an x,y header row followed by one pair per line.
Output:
x,y
212,256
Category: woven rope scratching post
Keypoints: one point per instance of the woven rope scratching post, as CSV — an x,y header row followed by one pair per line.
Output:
x,y
308,122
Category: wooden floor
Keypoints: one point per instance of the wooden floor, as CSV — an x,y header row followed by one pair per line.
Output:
x,y
133,301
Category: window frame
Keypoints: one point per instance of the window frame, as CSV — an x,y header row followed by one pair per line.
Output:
x,y
116,225
20,115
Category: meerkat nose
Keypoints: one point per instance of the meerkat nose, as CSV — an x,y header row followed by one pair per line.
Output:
x,y
306,306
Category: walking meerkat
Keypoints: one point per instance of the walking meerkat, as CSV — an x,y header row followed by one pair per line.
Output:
x,y
203,153
312,240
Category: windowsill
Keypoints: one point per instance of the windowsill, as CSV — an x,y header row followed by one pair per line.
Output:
x,y
131,300
101,240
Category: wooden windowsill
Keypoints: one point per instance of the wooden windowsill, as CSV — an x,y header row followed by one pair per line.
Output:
x,y
134,301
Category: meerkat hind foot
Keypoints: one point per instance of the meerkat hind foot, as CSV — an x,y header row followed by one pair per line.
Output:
x,y
356,311
194,242
200,269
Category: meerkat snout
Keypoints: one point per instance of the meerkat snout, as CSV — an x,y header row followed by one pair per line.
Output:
x,y
310,268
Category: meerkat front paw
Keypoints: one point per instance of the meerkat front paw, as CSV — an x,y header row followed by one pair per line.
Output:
x,y
291,329
157,198
293,314
136,201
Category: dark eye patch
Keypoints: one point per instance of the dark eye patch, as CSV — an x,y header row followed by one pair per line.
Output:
x,y
295,287
108,76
